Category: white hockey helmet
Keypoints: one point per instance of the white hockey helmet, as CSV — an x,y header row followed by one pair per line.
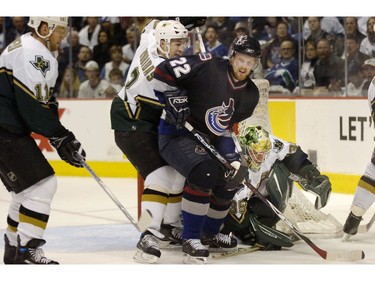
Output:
x,y
167,30
53,22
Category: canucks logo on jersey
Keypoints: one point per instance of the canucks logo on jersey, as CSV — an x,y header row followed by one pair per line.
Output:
x,y
41,64
218,118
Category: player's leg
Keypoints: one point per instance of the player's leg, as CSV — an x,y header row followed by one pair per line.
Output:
x,y
30,179
363,198
201,172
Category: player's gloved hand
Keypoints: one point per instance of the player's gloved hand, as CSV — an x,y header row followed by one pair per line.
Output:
x,y
176,108
317,184
66,146
192,22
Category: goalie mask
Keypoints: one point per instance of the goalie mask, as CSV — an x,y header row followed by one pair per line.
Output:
x,y
256,145
167,30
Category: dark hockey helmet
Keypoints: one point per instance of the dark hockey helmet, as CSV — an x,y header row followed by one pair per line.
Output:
x,y
247,45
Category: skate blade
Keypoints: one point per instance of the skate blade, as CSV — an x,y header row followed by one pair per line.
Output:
x,y
221,250
346,237
194,260
142,257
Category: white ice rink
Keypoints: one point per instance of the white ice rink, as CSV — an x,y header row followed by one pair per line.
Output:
x,y
86,228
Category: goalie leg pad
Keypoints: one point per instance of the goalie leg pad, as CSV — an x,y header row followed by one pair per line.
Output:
x,y
269,237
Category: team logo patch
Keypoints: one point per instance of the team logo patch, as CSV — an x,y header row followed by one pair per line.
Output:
x,y
218,118
200,150
41,64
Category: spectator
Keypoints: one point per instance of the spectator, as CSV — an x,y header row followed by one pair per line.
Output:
x,y
88,35
17,28
224,29
101,52
116,81
69,54
84,56
213,45
368,69
351,28
356,83
368,43
328,71
315,29
93,87
284,73
113,26
272,54
70,84
115,62
128,50
307,78
354,57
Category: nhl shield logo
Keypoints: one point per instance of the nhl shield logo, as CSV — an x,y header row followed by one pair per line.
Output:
x,y
41,64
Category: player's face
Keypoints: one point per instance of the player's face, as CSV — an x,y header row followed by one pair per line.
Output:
x,y
56,37
177,47
243,65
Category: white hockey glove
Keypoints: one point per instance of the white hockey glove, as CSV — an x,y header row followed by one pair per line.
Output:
x,y
66,145
317,184
176,108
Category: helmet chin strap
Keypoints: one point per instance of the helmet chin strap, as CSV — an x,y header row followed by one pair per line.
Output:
x,y
46,38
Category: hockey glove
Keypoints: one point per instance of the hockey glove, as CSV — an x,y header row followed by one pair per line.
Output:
x,y
317,184
66,146
176,108
192,22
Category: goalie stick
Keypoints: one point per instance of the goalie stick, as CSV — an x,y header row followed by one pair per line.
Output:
x,y
144,220
236,252
347,255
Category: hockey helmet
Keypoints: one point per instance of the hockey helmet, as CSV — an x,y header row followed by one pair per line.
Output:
x,y
167,30
247,45
256,145
53,22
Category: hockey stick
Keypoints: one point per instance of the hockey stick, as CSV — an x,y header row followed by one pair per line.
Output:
x,y
200,39
349,256
366,227
144,220
236,252
239,174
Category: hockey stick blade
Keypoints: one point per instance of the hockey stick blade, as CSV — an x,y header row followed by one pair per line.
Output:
x,y
345,256
144,220
366,227
236,252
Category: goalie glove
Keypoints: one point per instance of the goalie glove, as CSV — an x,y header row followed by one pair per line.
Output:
x,y
317,184
176,108
66,145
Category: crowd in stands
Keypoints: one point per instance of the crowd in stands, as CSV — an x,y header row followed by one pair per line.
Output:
x,y
301,56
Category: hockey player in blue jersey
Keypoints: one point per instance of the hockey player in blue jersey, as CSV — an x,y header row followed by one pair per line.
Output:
x,y
213,94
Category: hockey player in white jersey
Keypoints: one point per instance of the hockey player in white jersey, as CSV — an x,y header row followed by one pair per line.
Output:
x,y
135,116
273,166
364,195
28,72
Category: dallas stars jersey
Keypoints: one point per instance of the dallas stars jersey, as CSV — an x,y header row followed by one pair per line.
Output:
x,y
28,73
215,100
136,108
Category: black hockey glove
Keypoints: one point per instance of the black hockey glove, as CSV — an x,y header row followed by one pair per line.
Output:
x,y
66,146
317,184
176,108
192,22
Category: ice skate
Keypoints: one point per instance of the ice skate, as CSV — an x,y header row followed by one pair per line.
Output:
x,y
148,249
351,226
9,251
32,253
194,251
219,241
172,234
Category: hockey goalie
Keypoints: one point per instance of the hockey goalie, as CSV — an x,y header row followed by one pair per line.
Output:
x,y
274,164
